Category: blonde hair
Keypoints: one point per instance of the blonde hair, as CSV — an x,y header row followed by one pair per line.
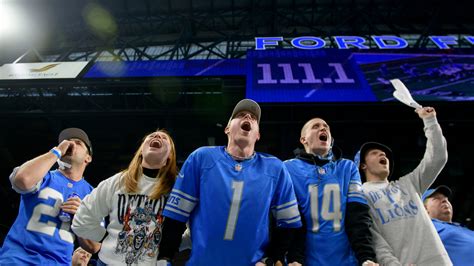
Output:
x,y
166,175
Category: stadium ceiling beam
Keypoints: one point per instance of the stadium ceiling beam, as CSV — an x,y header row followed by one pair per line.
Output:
x,y
195,27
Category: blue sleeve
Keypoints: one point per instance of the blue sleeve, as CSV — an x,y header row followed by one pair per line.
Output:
x,y
284,204
185,193
355,193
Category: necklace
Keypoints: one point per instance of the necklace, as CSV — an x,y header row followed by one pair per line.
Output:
x,y
239,158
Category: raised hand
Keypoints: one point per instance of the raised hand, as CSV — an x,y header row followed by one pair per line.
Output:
x,y
65,145
426,112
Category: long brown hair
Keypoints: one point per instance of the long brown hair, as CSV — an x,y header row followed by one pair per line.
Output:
x,y
166,175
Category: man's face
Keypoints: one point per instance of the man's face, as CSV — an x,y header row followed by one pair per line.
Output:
x,y
81,257
156,149
243,128
78,153
376,164
439,207
316,137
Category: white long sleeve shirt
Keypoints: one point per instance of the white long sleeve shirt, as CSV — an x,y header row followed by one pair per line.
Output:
x,y
134,231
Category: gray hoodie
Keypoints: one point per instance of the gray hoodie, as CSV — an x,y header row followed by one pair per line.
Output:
x,y
403,232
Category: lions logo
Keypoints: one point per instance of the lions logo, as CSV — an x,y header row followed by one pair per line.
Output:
x,y
141,234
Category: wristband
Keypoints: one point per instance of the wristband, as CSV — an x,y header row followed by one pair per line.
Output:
x,y
56,152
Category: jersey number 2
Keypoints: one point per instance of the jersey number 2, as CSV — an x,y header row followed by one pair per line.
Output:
x,y
331,193
35,224
237,187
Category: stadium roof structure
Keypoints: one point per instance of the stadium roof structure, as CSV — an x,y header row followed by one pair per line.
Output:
x,y
110,30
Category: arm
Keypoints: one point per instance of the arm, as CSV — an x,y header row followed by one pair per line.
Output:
x,y
357,225
296,251
171,238
436,153
383,250
287,216
71,206
280,241
357,220
95,206
89,245
32,172
181,203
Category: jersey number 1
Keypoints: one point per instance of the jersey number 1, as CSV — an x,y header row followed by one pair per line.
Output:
x,y
238,187
331,192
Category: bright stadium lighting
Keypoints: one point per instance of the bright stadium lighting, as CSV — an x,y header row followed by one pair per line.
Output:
x,y
9,19
13,21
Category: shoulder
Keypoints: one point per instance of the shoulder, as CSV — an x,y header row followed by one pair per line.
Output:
x,y
112,182
295,163
369,186
292,161
53,174
269,160
268,157
206,156
87,184
403,181
345,163
295,166
206,151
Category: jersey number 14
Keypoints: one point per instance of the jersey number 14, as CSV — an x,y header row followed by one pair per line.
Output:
x,y
331,194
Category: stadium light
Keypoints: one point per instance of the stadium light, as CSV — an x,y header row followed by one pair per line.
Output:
x,y
11,20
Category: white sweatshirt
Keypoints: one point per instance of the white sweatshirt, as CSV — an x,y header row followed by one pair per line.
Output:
x,y
403,232
134,231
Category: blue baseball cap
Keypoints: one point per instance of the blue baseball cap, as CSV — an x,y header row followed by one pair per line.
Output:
x,y
441,189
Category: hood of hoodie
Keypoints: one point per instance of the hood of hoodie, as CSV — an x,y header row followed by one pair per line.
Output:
x,y
334,154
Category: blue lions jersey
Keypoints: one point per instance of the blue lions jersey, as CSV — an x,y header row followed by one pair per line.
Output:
x,y
229,205
458,241
38,237
322,193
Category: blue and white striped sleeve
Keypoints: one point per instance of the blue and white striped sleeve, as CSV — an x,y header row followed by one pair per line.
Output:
x,y
284,204
355,193
185,194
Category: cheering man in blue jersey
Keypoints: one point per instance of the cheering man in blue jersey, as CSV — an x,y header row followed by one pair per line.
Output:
x,y
38,236
228,194
333,208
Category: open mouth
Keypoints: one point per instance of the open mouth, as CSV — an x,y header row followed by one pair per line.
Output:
x,y
383,161
68,152
156,144
323,137
246,126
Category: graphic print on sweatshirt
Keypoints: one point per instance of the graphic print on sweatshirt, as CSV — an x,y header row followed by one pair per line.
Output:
x,y
142,222
391,204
